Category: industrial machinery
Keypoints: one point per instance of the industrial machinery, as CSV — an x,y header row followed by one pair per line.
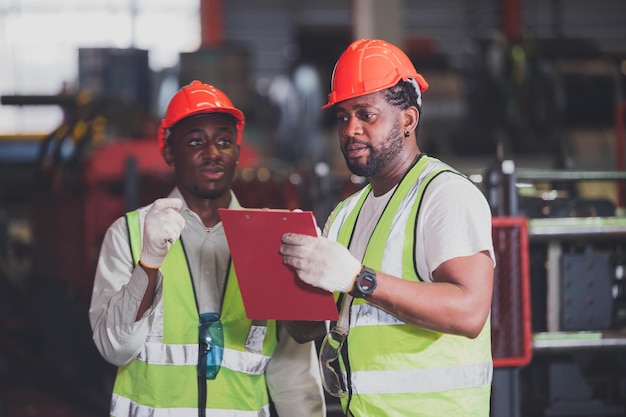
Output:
x,y
576,259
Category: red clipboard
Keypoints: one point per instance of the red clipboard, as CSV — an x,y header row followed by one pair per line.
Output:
x,y
269,288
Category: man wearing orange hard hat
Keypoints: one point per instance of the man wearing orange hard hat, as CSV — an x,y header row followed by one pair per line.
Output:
x,y
166,307
409,257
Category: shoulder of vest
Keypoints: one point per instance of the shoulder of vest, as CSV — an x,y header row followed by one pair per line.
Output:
x,y
346,202
437,164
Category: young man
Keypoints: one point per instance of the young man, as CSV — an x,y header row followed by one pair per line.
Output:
x,y
166,307
410,256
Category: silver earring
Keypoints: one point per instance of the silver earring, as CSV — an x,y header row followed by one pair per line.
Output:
x,y
407,134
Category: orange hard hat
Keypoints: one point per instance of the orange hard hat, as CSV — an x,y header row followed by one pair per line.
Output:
x,y
198,98
370,65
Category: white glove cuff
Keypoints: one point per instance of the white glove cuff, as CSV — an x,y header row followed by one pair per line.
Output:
x,y
150,261
348,275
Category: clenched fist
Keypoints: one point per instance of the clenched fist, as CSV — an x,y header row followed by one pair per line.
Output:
x,y
320,262
161,228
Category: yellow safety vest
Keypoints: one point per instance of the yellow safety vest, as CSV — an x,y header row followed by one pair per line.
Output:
x,y
162,380
397,369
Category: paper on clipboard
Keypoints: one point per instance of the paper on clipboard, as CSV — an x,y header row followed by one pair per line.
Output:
x,y
270,289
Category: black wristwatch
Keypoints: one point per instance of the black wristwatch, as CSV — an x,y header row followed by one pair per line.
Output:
x,y
365,283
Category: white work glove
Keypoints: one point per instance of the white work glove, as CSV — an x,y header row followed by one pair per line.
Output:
x,y
161,228
320,262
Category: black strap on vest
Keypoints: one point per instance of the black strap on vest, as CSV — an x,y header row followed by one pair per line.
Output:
x,y
201,393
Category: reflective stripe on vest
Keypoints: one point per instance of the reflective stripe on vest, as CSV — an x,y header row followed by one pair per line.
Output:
x,y
123,406
422,380
368,315
159,354
384,360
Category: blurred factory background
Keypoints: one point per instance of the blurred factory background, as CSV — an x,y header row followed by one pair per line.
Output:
x,y
527,97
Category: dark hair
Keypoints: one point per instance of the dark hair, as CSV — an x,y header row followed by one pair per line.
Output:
x,y
402,95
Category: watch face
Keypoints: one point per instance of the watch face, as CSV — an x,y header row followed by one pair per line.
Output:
x,y
366,282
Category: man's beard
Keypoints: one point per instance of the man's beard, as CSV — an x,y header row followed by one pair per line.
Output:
x,y
379,158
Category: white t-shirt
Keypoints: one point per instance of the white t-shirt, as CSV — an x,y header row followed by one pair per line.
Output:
x,y
454,220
